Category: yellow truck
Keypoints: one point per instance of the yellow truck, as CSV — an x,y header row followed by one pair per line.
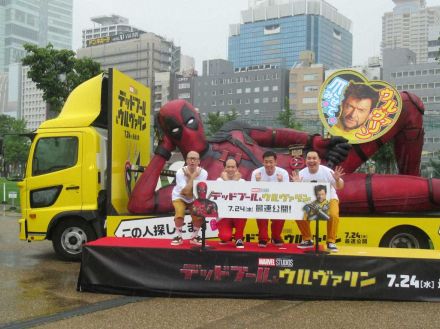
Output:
x,y
78,179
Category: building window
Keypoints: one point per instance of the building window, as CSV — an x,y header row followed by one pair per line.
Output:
x,y
266,88
247,90
274,99
239,91
256,111
256,100
256,89
274,88
308,77
310,88
310,100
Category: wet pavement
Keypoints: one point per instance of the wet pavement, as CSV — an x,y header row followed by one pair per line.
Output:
x,y
39,291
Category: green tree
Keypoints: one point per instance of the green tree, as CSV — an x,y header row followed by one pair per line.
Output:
x,y
15,146
57,72
216,121
385,159
286,117
435,168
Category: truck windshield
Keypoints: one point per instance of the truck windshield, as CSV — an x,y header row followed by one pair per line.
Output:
x,y
53,154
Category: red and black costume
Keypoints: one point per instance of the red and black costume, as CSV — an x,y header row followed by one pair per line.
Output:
x,y
182,128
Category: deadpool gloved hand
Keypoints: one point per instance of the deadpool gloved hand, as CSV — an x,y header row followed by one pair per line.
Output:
x,y
334,150
165,147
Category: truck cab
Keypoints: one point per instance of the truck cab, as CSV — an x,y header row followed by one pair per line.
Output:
x,y
63,192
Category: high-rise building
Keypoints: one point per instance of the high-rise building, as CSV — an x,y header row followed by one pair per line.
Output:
x,y
137,54
35,22
108,26
407,26
275,32
433,43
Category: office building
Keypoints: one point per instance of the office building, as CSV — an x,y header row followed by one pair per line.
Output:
x,y
434,43
275,32
305,80
137,54
401,70
407,26
255,93
36,22
106,26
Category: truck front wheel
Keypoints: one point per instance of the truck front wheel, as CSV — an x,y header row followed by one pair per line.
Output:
x,y
69,236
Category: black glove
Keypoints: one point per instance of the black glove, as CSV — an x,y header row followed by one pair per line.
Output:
x,y
338,149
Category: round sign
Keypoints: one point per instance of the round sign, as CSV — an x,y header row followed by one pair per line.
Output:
x,y
357,109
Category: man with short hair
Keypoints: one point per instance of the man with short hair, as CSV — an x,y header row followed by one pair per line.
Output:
x,y
315,172
359,101
226,225
270,173
182,197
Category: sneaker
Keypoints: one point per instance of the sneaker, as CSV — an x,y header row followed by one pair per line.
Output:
x,y
239,244
177,241
332,247
277,243
306,244
262,244
196,241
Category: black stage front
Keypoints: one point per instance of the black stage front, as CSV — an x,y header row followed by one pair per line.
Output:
x,y
151,267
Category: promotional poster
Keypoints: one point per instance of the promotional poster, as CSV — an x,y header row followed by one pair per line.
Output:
x,y
130,132
357,109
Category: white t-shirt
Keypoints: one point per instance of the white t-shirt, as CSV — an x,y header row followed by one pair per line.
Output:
x,y
272,178
240,180
323,175
181,181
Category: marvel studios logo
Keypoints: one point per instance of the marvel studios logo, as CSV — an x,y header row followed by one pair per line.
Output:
x,y
275,262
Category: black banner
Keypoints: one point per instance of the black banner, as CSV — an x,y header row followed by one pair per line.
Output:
x,y
146,272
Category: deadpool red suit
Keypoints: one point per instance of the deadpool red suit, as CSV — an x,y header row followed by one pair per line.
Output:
x,y
183,129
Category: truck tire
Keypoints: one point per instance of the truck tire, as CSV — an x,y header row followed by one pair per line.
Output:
x,y
69,236
405,237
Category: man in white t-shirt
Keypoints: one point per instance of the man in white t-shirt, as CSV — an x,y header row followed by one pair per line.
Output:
x,y
270,173
182,197
315,172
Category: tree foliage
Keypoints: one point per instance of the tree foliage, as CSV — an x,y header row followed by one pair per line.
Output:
x,y
435,168
286,117
15,147
57,72
385,159
216,121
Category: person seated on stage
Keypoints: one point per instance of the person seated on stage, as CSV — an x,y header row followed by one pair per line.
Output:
x,y
269,172
182,197
315,172
226,225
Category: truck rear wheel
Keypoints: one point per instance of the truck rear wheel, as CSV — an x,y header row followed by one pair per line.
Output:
x,y
69,236
405,237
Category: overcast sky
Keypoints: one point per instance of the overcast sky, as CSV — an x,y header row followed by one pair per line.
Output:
x,y
201,27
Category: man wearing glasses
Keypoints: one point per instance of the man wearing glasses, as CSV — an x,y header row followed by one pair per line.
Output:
x,y
183,198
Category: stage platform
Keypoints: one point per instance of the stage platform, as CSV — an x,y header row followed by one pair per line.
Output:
x,y
152,267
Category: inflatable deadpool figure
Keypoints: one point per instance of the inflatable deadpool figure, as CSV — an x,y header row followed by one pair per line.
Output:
x,y
363,193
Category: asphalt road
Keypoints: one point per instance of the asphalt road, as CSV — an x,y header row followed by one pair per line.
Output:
x,y
39,291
